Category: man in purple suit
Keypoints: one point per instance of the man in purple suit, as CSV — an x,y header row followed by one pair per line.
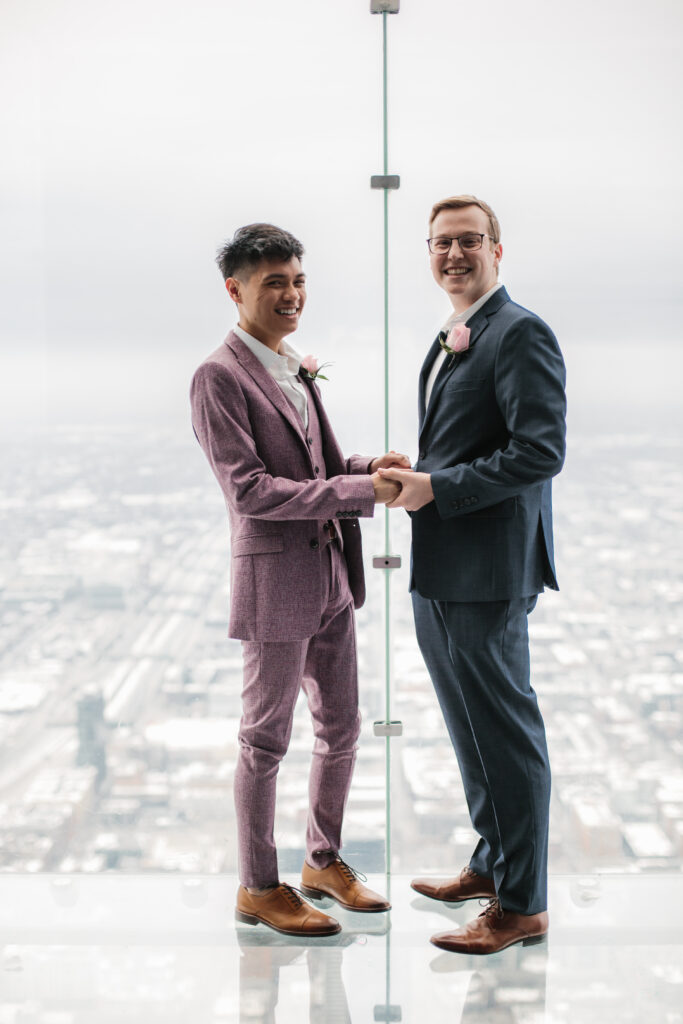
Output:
x,y
296,574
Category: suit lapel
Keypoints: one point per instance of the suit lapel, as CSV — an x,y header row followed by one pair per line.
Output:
x,y
267,384
424,376
450,364
334,460
477,324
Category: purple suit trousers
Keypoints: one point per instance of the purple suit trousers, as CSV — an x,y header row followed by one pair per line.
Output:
x,y
325,665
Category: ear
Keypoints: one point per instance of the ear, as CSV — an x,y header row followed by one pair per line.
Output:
x,y
498,250
232,286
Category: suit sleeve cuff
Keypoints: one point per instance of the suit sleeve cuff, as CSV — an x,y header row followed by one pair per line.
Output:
x,y
359,463
451,499
359,499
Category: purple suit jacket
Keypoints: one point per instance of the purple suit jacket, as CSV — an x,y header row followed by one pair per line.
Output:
x,y
256,445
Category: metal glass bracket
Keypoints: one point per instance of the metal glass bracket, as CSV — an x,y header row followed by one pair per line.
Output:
x,y
394,728
386,562
385,181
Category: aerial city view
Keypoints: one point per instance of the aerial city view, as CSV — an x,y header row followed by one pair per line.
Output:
x,y
120,690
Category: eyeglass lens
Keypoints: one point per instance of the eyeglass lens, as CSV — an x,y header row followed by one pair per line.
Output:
x,y
468,243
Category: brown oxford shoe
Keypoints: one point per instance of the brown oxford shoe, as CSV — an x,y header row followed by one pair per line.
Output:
x,y
493,930
468,886
342,883
283,909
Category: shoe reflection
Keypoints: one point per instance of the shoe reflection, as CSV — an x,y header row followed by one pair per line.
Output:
x,y
456,913
263,954
504,988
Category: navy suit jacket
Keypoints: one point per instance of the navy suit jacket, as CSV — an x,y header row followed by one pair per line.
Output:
x,y
492,438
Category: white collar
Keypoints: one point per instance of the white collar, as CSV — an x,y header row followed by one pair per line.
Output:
x,y
279,365
462,318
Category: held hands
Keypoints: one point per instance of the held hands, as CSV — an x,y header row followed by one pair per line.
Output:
x,y
415,489
387,491
390,460
397,486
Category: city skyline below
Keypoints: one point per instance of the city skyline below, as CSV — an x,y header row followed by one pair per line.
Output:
x,y
120,690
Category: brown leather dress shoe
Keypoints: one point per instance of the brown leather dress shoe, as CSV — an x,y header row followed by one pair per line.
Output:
x,y
493,930
468,886
342,883
283,909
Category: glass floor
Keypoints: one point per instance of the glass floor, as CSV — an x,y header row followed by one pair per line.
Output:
x,y
146,949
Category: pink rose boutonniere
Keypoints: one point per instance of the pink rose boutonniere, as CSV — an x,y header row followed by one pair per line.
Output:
x,y
458,339
310,368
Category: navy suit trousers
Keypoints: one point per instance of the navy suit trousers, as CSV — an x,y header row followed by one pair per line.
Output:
x,y
477,655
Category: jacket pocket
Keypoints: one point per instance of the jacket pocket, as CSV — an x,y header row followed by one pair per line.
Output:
x,y
464,384
503,510
263,544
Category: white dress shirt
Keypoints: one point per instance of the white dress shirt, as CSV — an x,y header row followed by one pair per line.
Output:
x,y
283,367
455,318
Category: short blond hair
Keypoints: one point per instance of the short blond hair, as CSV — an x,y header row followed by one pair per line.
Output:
x,y
458,202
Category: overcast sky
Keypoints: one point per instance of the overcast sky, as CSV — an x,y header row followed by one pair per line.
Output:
x,y
140,133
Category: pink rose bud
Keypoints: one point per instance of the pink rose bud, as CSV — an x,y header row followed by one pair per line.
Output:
x,y
310,363
458,339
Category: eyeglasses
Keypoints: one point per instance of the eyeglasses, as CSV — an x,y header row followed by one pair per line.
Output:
x,y
469,242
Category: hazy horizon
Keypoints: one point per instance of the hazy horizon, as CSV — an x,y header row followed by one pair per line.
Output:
x,y
140,135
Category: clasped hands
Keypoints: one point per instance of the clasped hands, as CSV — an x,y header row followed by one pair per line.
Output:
x,y
397,485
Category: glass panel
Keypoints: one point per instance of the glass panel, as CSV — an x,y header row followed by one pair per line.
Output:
x,y
119,690
607,667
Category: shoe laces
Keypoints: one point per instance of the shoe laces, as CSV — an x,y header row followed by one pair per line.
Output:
x,y
349,873
492,909
292,894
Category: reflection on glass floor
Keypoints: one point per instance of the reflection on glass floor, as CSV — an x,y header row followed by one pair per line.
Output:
x,y
144,950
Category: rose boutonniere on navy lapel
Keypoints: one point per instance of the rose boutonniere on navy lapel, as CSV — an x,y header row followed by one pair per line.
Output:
x,y
310,368
456,341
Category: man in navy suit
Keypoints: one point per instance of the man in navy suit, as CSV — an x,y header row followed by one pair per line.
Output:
x,y
492,430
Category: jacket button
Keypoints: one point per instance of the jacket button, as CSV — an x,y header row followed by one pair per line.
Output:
x,y
309,440
317,469
315,543
423,455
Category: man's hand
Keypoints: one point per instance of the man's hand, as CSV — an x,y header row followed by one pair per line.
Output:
x,y
416,488
390,460
385,490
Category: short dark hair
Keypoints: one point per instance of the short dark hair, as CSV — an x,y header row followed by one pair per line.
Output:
x,y
253,243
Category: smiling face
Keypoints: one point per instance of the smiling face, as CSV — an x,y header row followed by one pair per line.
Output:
x,y
464,276
270,299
